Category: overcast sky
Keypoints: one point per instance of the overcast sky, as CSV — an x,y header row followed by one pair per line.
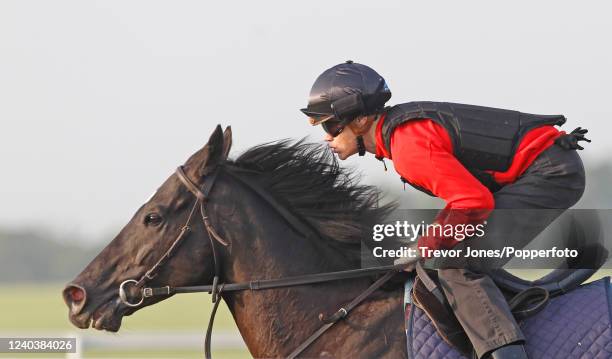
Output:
x,y
101,100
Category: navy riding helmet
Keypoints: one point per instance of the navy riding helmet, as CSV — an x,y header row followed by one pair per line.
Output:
x,y
344,92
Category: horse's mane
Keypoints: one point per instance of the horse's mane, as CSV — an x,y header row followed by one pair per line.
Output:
x,y
307,178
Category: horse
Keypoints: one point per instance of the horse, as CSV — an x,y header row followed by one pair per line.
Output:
x,y
287,213
259,242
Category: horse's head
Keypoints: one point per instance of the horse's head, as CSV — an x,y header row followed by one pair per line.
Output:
x,y
94,294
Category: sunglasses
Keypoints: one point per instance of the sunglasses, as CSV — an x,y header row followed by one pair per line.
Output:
x,y
333,127
330,124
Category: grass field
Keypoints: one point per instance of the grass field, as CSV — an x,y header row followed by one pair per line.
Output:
x,y
28,309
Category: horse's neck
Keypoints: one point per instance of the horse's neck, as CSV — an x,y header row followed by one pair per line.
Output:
x,y
273,321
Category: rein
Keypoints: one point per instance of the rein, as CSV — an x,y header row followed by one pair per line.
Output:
x,y
263,284
216,289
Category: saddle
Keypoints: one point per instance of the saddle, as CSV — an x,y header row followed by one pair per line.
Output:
x,y
431,312
441,316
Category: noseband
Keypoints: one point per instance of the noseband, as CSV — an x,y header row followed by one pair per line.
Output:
x,y
216,289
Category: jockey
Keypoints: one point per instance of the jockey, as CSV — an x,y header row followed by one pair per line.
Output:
x,y
474,158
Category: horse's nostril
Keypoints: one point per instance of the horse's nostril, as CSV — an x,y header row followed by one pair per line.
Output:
x,y
75,296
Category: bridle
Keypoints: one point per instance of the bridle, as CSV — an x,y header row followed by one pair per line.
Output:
x,y
201,197
216,289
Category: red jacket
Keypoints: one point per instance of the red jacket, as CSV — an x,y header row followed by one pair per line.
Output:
x,y
422,153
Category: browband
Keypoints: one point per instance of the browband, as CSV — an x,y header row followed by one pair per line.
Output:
x,y
193,188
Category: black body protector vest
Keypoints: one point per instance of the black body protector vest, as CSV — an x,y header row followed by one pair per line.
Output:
x,y
483,138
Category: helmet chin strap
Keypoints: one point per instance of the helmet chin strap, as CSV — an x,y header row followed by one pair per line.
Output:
x,y
361,149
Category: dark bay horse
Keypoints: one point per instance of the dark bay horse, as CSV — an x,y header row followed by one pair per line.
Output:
x,y
301,178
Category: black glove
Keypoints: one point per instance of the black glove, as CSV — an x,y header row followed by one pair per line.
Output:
x,y
569,141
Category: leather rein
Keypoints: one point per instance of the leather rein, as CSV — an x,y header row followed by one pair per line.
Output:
x,y
216,288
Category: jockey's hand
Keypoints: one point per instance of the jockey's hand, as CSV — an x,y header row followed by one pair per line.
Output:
x,y
570,141
409,262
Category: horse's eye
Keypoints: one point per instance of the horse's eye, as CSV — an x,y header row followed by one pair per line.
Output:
x,y
153,219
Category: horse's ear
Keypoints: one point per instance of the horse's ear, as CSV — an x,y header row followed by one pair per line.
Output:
x,y
227,142
212,154
208,158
